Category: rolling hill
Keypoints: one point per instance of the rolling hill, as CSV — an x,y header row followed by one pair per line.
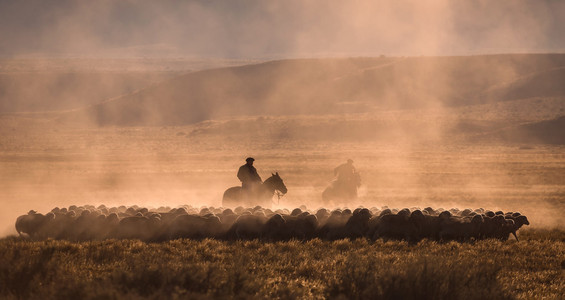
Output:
x,y
543,132
334,86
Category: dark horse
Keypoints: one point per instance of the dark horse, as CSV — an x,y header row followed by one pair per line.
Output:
x,y
341,191
234,196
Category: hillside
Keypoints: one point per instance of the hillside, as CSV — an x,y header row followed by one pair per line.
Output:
x,y
334,86
54,84
54,91
544,132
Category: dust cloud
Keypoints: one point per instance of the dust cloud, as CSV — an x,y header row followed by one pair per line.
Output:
x,y
300,85
251,28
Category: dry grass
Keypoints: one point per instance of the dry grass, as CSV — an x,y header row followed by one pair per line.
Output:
x,y
343,269
44,163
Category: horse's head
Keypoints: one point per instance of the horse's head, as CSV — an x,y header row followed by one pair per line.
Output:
x,y
275,182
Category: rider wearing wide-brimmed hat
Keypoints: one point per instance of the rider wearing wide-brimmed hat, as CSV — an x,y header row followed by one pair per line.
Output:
x,y
248,176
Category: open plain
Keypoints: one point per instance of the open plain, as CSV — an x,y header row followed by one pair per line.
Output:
x,y
486,132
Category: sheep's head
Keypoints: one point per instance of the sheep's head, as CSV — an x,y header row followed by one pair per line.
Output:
x,y
296,212
277,219
445,215
213,220
386,212
227,212
364,214
113,217
417,218
429,210
50,216
477,219
466,212
405,212
322,212
521,220
312,220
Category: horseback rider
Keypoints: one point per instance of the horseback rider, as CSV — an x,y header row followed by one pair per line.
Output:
x,y
347,177
250,179
345,172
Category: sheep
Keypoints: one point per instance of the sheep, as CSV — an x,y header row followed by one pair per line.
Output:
x,y
518,221
491,226
106,225
429,227
358,224
333,228
404,212
61,226
521,220
322,214
430,211
460,229
133,227
285,227
82,229
194,226
274,228
301,227
246,227
507,228
466,212
32,223
227,218
387,211
393,226
375,211
296,212
95,223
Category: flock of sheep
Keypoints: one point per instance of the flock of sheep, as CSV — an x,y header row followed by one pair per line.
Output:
x,y
83,223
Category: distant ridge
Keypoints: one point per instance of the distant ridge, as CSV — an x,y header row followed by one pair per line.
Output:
x,y
544,132
324,86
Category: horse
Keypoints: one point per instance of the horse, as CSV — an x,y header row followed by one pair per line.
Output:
x,y
263,196
342,190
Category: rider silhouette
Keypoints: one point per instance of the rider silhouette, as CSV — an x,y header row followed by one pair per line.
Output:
x,y
347,179
249,177
345,172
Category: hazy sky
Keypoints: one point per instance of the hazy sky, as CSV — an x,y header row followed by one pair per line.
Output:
x,y
263,28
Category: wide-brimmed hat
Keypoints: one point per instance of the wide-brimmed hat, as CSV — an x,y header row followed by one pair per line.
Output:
x,y
250,159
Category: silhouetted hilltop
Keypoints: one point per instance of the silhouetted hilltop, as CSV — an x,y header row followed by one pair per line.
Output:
x,y
333,86
546,83
56,91
544,132
59,83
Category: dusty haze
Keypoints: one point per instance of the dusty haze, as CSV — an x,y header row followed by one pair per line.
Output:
x,y
135,102
253,28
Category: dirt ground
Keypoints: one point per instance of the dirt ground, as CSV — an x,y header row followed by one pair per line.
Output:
x,y
42,167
